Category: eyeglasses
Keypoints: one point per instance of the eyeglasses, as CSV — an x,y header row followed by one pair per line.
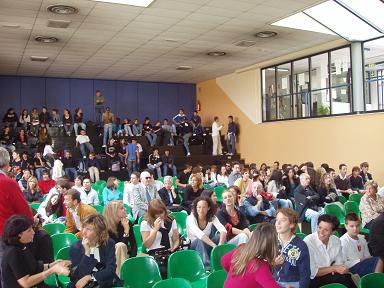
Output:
x,y
148,178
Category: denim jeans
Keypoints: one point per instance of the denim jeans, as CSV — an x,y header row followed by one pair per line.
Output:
x,y
107,133
231,143
186,141
83,146
204,249
68,129
71,172
165,170
155,167
239,239
152,137
131,166
314,216
76,127
38,172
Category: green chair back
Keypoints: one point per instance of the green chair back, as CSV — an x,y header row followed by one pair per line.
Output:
x,y
372,280
100,196
54,228
61,240
298,229
140,272
140,220
342,199
101,183
51,280
193,271
120,186
161,179
99,208
301,235
216,279
218,252
252,227
334,209
355,197
351,207
34,206
173,283
139,240
219,192
63,253
334,285
181,220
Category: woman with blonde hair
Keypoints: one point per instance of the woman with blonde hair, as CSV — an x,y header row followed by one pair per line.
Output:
x,y
249,265
93,258
33,192
192,191
121,231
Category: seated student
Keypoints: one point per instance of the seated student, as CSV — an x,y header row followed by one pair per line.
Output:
x,y
169,196
93,258
371,204
76,212
78,184
35,122
183,177
342,183
167,131
41,246
292,265
93,167
234,221
326,192
33,193
55,119
211,194
243,182
83,142
46,183
222,177
364,172
110,192
21,139
121,231
256,208
356,180
78,120
137,129
126,129
200,230
67,121
128,189
148,132
44,117
355,249
168,163
248,266
39,164
87,194
19,266
276,188
327,263
24,179
154,162
69,165
192,191
6,139
307,202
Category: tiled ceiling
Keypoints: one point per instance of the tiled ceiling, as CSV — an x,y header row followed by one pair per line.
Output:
x,y
111,41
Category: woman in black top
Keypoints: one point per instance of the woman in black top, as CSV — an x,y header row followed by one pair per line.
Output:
x,y
192,191
148,132
78,120
41,246
67,121
121,231
290,182
33,192
20,268
356,180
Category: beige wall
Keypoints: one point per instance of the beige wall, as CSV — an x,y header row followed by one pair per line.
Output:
x,y
333,140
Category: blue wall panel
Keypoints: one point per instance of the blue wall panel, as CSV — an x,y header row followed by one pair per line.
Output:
x,y
148,101
10,94
32,93
168,99
82,96
126,97
57,94
187,98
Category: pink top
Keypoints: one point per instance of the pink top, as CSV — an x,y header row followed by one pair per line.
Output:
x,y
259,279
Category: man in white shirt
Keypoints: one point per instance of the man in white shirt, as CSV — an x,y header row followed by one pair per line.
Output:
x,y
89,195
216,127
83,142
355,249
128,189
326,260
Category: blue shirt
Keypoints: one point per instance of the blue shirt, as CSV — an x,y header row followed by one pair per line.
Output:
x,y
110,195
131,150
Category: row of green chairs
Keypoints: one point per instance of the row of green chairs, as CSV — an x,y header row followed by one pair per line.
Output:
x,y
367,281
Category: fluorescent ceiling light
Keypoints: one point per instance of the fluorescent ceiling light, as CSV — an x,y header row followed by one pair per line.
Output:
x,y
342,22
371,11
141,3
279,69
303,22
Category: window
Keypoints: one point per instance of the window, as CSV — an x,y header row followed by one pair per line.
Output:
x,y
319,85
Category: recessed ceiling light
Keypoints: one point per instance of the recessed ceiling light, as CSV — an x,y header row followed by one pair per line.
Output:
x,y
140,3
46,39
39,58
266,34
184,68
216,53
62,9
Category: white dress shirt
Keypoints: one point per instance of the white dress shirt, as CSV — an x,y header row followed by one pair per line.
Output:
x,y
194,232
354,250
216,129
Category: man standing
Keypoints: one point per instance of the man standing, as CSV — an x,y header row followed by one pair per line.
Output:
x,y
76,212
108,118
231,136
99,106
132,156
12,200
216,127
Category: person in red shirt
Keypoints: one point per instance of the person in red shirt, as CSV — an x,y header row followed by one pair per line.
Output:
x,y
46,183
12,200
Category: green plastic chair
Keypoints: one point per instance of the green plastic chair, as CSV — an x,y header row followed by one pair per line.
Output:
x,y
342,199
218,252
63,254
161,179
372,280
194,270
334,209
351,207
99,208
301,235
334,285
61,240
298,229
51,280
54,228
129,213
101,183
216,279
219,192
34,206
120,186
252,227
181,220
140,220
139,240
173,283
132,272
100,196
355,197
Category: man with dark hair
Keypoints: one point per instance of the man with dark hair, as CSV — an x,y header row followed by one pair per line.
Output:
x,y
108,118
216,127
99,106
364,172
168,163
183,176
132,156
46,183
231,136
235,174
76,212
342,183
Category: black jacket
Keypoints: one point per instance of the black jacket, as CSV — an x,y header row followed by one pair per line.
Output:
x,y
163,193
305,198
